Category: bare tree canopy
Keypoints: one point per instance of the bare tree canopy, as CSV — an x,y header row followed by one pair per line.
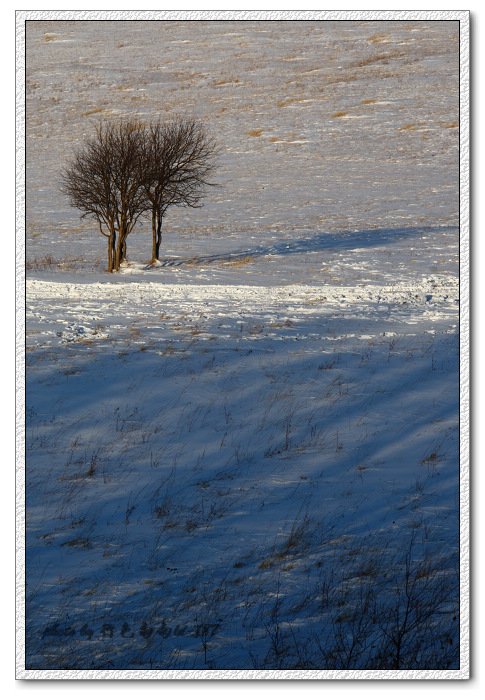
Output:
x,y
179,159
129,169
104,181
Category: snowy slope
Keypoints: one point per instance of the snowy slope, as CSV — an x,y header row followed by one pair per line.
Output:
x,y
246,457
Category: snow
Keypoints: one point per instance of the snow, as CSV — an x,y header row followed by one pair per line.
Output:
x,y
232,454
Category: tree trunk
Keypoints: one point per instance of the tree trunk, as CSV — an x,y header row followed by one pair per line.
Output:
x,y
156,235
118,259
154,238
110,253
121,246
111,248
159,237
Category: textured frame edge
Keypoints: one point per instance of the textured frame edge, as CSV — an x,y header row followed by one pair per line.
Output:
x,y
21,16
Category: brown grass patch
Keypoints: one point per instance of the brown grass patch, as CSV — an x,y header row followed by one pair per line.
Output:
x,y
379,58
411,127
49,261
225,81
379,38
289,101
82,542
281,324
339,78
240,262
94,111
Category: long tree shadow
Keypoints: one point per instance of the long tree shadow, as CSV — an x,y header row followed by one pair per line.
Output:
x,y
339,241
114,447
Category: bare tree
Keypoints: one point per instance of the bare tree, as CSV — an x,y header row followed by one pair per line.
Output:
x,y
129,169
178,161
104,180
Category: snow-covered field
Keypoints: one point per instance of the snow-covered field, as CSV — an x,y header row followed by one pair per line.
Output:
x,y
246,457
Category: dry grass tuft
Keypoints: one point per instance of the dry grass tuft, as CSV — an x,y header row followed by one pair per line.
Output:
x,y
94,111
49,262
379,58
288,101
411,127
225,81
379,38
240,262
